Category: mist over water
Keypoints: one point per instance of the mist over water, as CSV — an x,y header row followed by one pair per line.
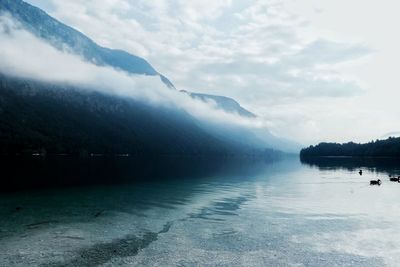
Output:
x,y
243,212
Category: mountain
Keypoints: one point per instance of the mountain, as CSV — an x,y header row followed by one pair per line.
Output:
x,y
64,37
224,103
121,125
38,117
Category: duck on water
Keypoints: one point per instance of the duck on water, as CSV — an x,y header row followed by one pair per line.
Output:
x,y
394,178
375,182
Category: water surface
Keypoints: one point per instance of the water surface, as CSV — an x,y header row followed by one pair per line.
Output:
x,y
241,213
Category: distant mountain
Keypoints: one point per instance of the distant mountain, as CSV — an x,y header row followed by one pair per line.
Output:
x,y
380,148
64,37
224,103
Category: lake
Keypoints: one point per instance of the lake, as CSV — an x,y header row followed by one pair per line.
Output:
x,y
204,212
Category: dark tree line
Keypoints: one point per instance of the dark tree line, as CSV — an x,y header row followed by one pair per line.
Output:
x,y
379,148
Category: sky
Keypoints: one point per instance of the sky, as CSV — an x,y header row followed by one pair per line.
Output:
x,y
312,70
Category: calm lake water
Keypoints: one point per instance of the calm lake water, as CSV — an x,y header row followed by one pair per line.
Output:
x,y
203,212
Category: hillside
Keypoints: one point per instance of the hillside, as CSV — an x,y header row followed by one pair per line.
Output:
x,y
40,117
380,148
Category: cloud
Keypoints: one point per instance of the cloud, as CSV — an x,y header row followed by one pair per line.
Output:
x,y
186,42
327,52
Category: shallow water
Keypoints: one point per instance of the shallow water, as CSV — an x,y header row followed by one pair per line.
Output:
x,y
282,213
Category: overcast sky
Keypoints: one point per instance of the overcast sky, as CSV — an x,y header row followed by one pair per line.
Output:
x,y
313,70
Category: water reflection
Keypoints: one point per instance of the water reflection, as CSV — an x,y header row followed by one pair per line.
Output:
x,y
223,213
380,165
59,171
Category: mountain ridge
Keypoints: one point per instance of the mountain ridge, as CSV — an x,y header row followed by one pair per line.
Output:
x,y
44,26
225,103
60,35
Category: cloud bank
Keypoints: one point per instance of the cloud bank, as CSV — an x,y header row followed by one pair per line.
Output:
x,y
26,56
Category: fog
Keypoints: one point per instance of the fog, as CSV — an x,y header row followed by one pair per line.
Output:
x,y
27,56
